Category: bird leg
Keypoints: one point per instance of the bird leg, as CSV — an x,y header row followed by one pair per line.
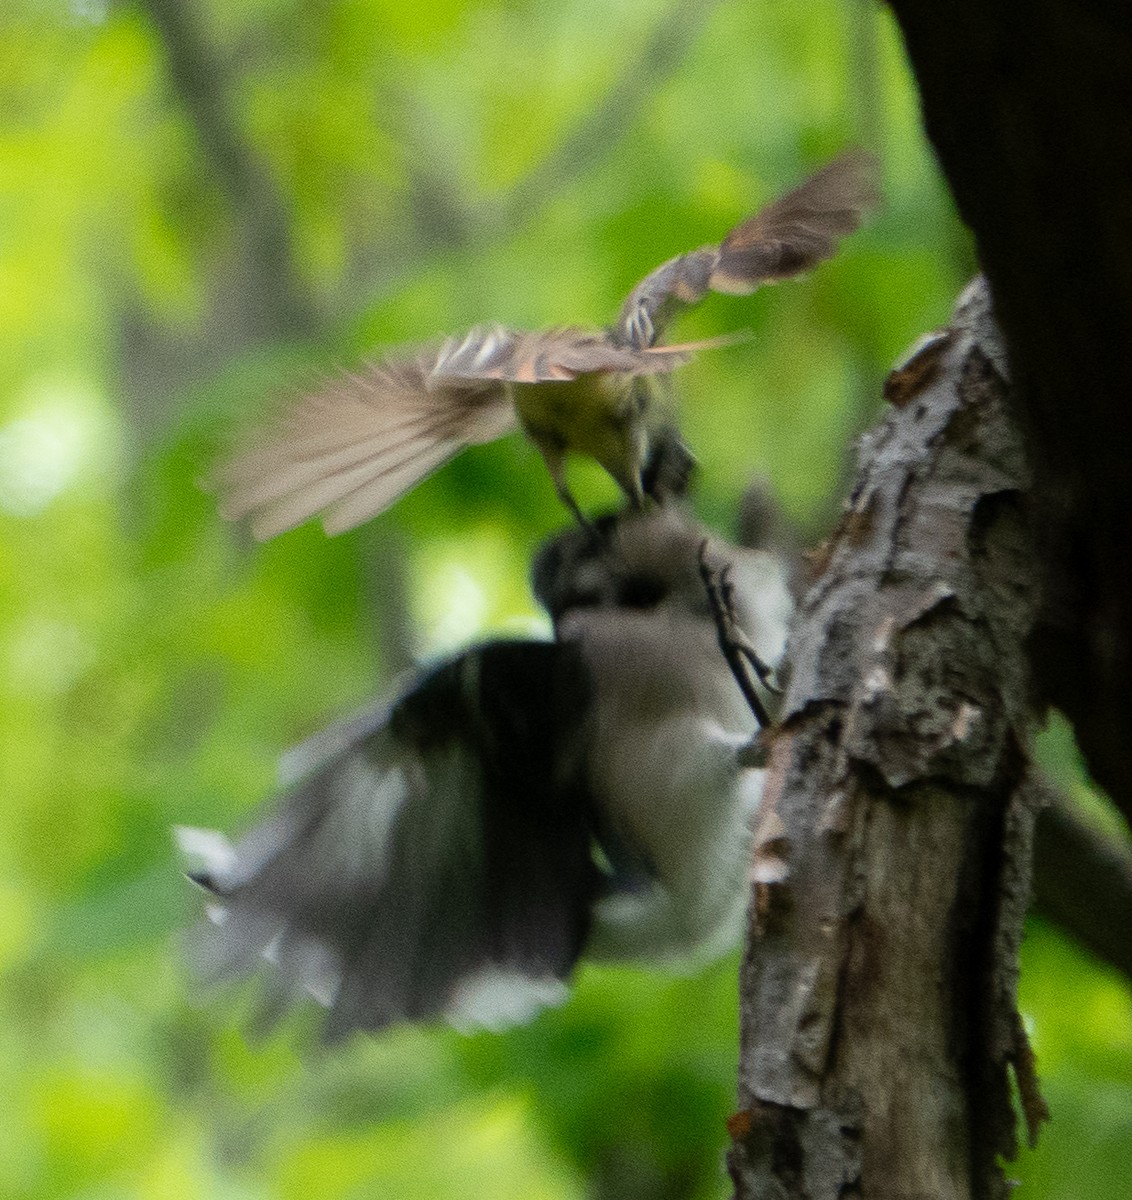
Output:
x,y
736,647
567,498
554,455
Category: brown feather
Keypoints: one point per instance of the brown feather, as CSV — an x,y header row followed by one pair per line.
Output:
x,y
798,230
789,236
522,356
358,444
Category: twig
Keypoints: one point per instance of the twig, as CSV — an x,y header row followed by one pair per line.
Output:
x,y
605,123
1083,881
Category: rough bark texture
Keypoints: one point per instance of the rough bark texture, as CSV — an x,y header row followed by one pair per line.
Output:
x,y
1028,106
891,868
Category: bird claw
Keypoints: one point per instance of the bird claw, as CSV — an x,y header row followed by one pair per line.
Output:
x,y
736,647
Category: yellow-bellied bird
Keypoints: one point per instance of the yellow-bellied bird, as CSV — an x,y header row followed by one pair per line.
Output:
x,y
351,449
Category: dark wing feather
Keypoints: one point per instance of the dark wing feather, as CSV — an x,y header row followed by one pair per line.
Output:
x,y
353,448
440,862
799,230
789,236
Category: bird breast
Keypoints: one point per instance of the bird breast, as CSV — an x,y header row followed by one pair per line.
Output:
x,y
592,414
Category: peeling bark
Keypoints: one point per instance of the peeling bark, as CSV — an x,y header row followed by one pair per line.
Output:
x,y
891,863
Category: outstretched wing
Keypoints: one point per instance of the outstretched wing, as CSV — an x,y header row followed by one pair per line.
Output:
x,y
792,235
439,863
353,448
551,355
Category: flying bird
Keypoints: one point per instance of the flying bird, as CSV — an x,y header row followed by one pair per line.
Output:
x,y
351,449
453,853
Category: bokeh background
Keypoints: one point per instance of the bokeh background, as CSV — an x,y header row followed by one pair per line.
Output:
x,y
205,205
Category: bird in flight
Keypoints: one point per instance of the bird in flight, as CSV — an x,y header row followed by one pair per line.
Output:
x,y
453,852
351,449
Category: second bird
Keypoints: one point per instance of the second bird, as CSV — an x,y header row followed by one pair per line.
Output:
x,y
351,449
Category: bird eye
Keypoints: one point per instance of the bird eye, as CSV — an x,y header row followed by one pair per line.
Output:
x,y
642,591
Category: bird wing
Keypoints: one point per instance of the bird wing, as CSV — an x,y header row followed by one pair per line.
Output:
x,y
550,355
789,236
352,448
438,863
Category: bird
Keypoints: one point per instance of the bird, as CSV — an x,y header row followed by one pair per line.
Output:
x,y
350,449
452,853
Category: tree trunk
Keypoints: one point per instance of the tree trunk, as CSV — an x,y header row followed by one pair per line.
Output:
x,y
981,566
891,863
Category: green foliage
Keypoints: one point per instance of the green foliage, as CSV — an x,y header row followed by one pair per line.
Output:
x,y
432,166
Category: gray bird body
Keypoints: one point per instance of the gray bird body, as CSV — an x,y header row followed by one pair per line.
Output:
x,y
453,854
351,449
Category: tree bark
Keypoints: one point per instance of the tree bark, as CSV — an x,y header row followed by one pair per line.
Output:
x,y
891,863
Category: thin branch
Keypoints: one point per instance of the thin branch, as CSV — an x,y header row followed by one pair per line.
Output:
x,y
279,301
606,122
1083,882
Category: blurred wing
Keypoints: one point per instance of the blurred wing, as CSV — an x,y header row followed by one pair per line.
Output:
x,y
792,235
552,355
801,229
353,448
438,864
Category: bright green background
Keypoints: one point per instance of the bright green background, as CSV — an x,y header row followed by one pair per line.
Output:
x,y
434,166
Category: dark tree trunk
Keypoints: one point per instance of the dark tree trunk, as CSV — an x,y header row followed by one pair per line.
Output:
x,y
1029,107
